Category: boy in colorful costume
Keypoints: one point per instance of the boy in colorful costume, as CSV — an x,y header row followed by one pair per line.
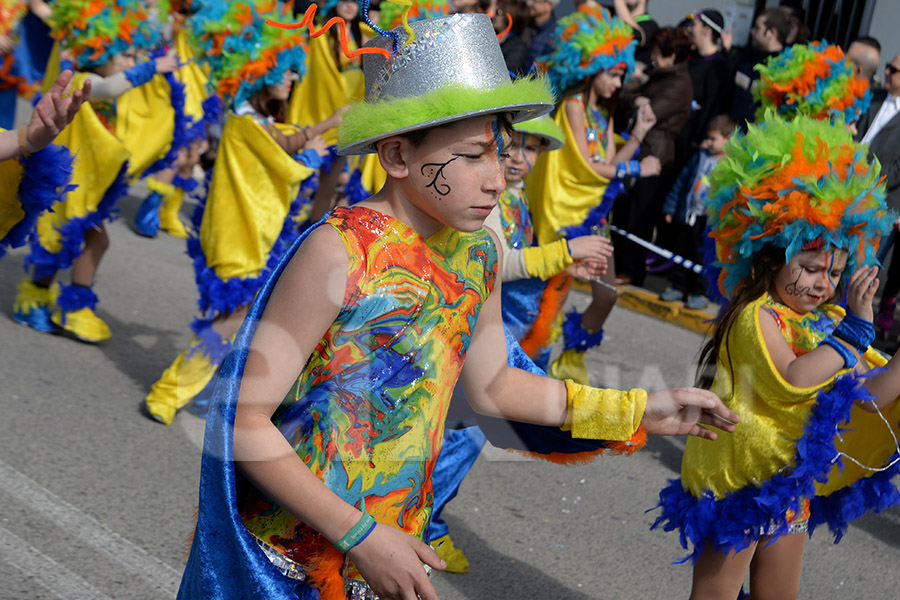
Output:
x,y
73,234
401,299
812,449
255,198
571,191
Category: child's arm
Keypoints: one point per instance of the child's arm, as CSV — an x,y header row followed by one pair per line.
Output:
x,y
303,305
818,366
493,388
113,86
607,168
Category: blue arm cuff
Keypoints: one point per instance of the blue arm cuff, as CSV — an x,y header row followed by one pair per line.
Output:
x,y
844,351
856,331
311,159
141,73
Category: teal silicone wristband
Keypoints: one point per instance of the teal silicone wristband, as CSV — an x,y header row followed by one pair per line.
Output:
x,y
357,533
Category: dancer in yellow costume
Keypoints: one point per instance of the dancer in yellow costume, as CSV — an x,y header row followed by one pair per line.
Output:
x,y
73,235
34,172
257,191
570,191
796,212
184,98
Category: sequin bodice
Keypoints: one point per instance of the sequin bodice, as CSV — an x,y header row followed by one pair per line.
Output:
x,y
518,229
367,412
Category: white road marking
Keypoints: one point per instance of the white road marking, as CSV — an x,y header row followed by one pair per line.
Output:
x,y
45,571
135,559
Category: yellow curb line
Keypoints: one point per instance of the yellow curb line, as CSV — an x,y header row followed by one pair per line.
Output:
x,y
648,303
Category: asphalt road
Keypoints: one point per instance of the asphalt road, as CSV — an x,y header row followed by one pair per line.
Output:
x,y
96,500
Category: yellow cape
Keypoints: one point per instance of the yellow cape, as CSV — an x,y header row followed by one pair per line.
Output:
x,y
99,156
562,188
253,184
145,122
773,416
324,88
195,81
10,208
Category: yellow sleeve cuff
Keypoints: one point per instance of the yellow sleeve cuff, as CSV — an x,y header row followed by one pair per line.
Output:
x,y
603,414
547,260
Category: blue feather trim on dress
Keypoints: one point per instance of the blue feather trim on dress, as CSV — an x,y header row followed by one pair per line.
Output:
x,y
735,521
180,137
222,296
45,180
75,297
597,216
577,337
355,192
46,263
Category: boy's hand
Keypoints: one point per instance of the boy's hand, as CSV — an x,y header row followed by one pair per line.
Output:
x,y
391,560
680,411
861,292
595,247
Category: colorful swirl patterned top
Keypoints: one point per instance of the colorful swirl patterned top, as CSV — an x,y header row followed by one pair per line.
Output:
x,y
367,412
803,333
518,228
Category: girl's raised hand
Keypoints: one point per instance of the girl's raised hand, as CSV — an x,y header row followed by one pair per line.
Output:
x,y
391,560
594,247
861,292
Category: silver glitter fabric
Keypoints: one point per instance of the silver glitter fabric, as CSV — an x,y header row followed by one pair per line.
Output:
x,y
356,589
460,49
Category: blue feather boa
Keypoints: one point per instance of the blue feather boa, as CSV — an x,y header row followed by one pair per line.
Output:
x,y
355,192
222,296
45,180
180,134
46,263
577,337
597,216
735,521
75,297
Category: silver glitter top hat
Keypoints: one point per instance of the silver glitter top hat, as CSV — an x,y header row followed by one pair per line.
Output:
x,y
459,51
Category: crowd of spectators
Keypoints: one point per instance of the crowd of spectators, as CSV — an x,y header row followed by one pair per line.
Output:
x,y
699,83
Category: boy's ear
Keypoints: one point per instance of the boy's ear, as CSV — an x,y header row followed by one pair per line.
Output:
x,y
392,153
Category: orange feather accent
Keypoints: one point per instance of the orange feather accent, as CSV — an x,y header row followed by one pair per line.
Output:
x,y
307,22
555,293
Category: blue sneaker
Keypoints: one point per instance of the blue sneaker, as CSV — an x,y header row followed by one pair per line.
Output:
x,y
33,306
671,295
146,221
696,302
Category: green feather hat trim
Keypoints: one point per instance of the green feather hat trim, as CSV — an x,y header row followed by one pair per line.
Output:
x,y
545,128
365,123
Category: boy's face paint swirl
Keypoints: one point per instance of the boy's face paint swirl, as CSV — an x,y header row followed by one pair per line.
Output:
x,y
456,174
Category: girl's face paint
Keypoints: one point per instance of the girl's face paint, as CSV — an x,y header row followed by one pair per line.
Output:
x,y
809,279
523,152
606,83
455,174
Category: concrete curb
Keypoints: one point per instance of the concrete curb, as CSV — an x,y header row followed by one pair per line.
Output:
x,y
649,303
